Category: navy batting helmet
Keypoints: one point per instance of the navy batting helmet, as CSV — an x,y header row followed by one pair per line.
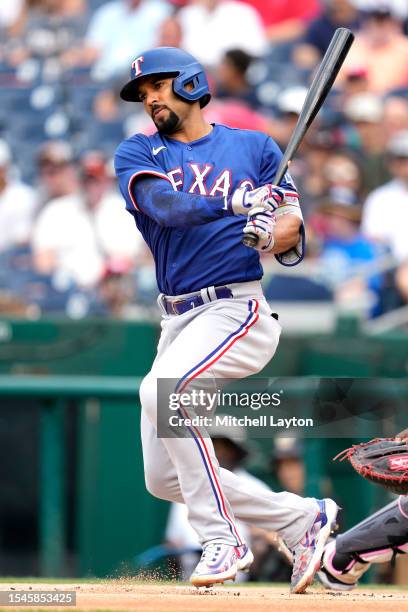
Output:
x,y
169,60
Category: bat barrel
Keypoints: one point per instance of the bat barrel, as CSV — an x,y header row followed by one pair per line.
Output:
x,y
318,91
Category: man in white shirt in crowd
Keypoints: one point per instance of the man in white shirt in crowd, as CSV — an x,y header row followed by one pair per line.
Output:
x,y
77,235
211,27
17,204
118,31
385,213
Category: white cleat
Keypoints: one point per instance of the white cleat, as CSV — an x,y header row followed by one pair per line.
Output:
x,y
246,558
221,562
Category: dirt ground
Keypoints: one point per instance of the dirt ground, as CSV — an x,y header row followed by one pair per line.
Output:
x,y
156,597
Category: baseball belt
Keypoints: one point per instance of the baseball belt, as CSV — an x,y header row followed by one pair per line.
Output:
x,y
180,306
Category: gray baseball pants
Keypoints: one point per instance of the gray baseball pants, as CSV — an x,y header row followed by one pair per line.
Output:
x,y
223,339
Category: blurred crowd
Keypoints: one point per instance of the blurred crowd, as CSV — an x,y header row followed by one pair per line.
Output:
x,y
67,245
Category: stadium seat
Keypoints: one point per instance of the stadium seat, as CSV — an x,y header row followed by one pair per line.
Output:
x,y
99,135
81,99
15,99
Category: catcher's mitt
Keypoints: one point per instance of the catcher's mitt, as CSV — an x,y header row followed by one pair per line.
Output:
x,y
382,460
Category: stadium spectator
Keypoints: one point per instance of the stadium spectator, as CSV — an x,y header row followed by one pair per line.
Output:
x,y
17,205
289,105
77,235
118,31
231,79
395,115
177,4
56,171
170,33
211,27
116,290
107,105
385,212
9,15
343,177
398,7
343,245
365,112
236,114
381,48
288,465
336,13
355,82
285,20
345,254
46,28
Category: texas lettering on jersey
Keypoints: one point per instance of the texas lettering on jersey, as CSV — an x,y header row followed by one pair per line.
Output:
x,y
198,180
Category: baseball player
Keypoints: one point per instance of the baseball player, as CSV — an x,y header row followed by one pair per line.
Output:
x,y
377,539
194,188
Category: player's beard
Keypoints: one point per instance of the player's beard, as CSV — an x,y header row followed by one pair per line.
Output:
x,y
168,125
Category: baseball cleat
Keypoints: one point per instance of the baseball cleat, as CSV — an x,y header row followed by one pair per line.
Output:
x,y
245,559
308,552
340,579
220,562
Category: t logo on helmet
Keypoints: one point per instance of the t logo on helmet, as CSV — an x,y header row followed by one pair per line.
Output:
x,y
136,65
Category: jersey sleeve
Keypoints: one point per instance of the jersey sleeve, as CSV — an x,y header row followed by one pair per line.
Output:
x,y
133,159
270,161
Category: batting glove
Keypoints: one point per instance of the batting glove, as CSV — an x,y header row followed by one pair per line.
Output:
x,y
261,222
244,199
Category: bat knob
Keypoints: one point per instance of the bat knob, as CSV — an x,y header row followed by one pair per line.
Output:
x,y
250,240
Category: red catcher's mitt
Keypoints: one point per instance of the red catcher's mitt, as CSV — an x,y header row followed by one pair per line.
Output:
x,y
382,460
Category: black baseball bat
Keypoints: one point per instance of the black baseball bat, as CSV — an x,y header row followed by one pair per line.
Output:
x,y
322,83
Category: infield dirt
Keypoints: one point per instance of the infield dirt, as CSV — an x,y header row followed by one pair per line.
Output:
x,y
155,597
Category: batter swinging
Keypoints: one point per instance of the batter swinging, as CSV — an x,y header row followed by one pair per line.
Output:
x,y
193,189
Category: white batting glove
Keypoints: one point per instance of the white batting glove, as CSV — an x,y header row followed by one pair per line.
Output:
x,y
244,200
261,222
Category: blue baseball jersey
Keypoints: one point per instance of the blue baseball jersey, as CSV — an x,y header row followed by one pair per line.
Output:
x,y
201,254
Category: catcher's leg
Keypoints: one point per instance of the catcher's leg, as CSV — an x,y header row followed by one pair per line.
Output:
x,y
377,539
